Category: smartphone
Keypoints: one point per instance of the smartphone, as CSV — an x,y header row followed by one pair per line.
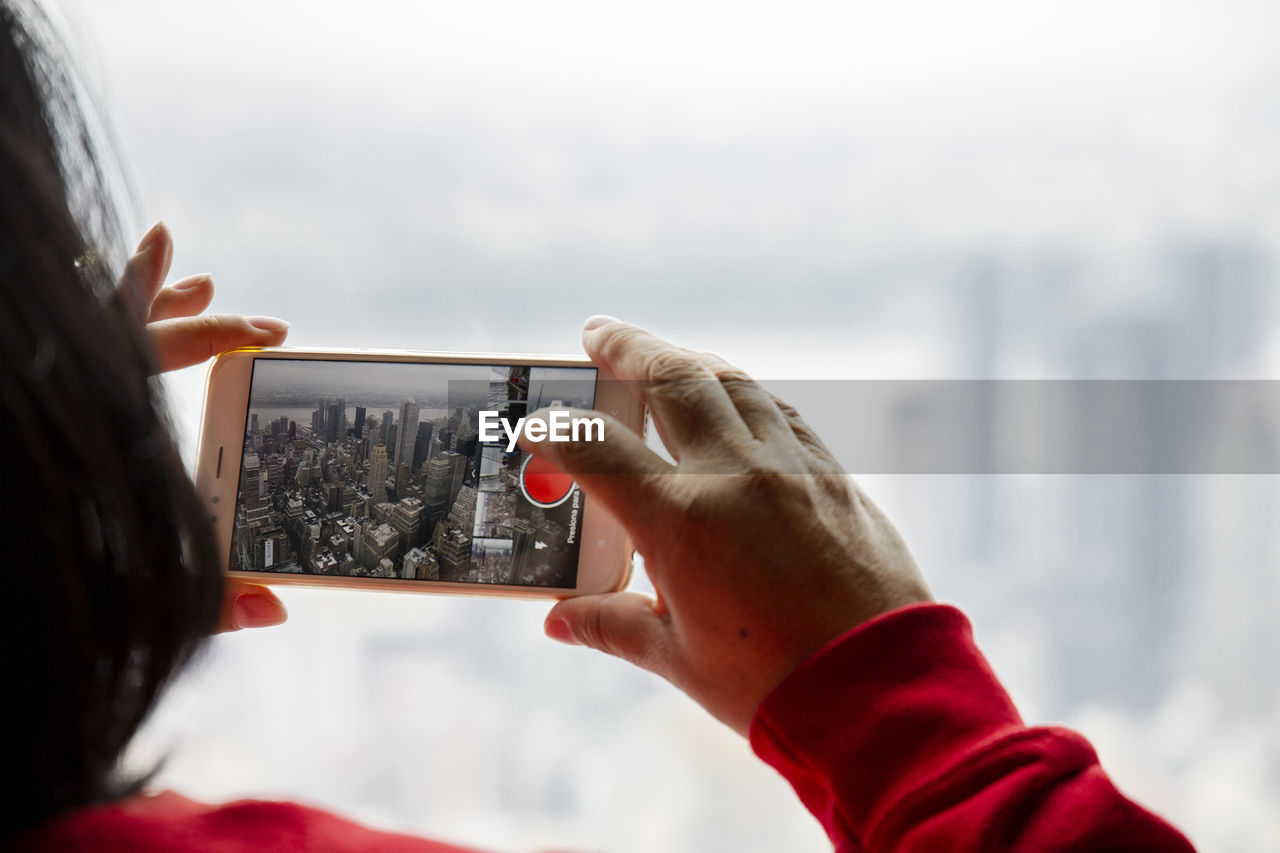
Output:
x,y
398,470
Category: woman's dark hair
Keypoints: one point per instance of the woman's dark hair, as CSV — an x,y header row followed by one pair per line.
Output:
x,y
110,570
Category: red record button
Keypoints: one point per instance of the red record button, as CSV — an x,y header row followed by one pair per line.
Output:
x,y
544,484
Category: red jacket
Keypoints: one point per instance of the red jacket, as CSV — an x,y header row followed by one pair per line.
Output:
x,y
897,736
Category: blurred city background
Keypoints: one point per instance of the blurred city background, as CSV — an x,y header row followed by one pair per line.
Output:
x,y
989,189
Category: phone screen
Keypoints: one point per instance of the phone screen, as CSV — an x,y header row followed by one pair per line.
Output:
x,y
405,470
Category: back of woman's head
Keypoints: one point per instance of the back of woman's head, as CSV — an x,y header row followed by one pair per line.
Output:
x,y
109,570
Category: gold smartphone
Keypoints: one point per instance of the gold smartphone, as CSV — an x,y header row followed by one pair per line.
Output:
x,y
399,471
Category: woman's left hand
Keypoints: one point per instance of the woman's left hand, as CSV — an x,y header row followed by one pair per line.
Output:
x,y
183,336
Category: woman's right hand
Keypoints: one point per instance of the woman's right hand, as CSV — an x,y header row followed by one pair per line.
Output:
x,y
761,549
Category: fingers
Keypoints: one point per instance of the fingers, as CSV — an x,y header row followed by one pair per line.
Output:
x,y
146,271
627,625
691,408
179,336
182,342
248,605
805,434
620,471
758,408
185,298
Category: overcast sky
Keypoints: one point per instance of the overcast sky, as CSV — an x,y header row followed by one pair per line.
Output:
x,y
356,382
305,382
484,176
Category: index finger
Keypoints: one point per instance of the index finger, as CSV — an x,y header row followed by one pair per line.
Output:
x,y
184,341
690,406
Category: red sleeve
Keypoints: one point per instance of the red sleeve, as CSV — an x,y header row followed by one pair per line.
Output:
x,y
898,736
172,823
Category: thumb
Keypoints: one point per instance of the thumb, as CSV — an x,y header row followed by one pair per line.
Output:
x,y
627,625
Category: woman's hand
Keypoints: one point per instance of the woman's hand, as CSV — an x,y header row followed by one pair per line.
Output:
x,y
762,550
183,336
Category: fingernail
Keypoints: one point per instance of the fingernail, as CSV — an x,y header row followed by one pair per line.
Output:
x,y
150,239
269,324
192,283
252,610
558,630
596,321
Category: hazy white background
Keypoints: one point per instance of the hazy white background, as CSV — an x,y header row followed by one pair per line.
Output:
x,y
921,189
